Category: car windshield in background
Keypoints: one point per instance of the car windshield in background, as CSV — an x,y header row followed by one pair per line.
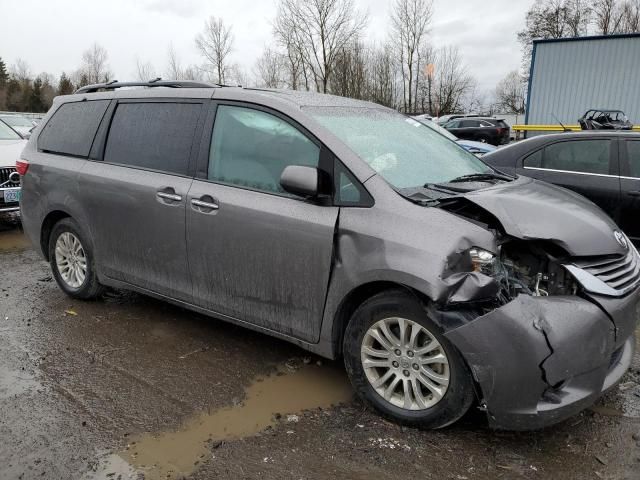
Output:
x,y
17,121
442,131
6,133
405,152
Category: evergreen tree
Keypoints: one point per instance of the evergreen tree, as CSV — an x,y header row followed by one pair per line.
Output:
x,y
65,87
35,100
13,95
4,76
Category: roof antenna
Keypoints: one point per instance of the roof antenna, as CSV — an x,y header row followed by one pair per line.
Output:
x,y
564,129
157,79
111,82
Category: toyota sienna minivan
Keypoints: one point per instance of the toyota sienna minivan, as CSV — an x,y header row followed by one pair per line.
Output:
x,y
345,228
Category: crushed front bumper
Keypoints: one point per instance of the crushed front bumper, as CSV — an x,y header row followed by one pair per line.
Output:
x,y
540,360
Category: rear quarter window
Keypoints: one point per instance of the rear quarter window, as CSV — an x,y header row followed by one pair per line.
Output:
x,y
72,128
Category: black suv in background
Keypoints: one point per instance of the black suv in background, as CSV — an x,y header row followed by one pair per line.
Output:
x,y
604,166
488,130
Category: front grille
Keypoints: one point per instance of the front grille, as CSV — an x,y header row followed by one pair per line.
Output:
x,y
618,271
4,178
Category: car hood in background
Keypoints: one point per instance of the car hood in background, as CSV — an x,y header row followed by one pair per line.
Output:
x,y
532,210
477,146
10,151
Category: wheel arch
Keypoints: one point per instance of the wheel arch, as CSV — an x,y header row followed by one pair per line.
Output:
x,y
48,223
356,297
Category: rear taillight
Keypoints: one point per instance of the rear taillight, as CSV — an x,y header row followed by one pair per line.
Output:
x,y
22,166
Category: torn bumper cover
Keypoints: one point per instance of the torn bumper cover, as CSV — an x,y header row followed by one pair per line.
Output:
x,y
540,360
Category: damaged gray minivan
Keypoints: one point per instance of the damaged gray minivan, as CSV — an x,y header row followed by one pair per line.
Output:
x,y
343,227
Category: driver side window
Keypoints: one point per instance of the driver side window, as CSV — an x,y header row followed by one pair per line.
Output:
x,y
250,148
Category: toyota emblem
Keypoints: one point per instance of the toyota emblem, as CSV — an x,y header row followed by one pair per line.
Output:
x,y
620,238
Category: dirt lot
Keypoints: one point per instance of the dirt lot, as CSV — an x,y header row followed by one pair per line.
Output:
x,y
129,387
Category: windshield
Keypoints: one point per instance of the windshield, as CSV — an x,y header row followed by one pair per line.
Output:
x,y
402,150
439,129
17,121
6,133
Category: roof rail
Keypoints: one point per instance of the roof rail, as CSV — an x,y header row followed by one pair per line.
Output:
x,y
157,82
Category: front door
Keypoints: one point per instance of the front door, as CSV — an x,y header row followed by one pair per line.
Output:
x,y
256,253
136,196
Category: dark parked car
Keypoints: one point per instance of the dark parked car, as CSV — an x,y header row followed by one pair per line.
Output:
x,y
603,166
346,228
487,130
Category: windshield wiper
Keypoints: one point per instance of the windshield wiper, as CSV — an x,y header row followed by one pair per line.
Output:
x,y
480,176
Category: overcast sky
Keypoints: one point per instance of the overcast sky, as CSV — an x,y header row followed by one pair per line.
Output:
x,y
50,35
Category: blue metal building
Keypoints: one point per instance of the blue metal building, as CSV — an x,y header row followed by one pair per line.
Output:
x,y
571,75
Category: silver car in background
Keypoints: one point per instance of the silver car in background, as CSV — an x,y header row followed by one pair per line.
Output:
x,y
11,144
345,228
19,123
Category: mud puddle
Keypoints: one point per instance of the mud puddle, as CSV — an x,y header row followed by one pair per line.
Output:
x,y
13,240
172,454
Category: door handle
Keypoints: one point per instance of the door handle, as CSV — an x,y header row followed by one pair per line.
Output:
x,y
169,196
634,193
202,204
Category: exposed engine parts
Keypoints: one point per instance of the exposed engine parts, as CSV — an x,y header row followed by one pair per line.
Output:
x,y
530,269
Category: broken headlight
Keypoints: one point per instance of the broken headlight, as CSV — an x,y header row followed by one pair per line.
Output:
x,y
482,261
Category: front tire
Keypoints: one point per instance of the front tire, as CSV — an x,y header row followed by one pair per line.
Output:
x,y
400,363
72,261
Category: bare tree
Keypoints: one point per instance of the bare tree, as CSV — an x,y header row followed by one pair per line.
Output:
x,y
145,71
607,16
349,77
193,72
174,68
614,16
381,84
510,93
215,45
270,69
320,29
285,34
21,71
553,19
94,64
452,81
630,17
410,20
577,16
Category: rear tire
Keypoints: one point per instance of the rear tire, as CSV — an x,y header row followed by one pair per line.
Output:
x,y
427,385
72,261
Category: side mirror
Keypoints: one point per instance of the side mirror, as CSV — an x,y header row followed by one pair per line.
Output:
x,y
300,180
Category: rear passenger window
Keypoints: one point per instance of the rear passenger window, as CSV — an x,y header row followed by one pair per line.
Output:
x,y
155,136
71,129
588,156
533,160
251,148
633,154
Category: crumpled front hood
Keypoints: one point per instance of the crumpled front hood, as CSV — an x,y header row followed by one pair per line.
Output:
x,y
533,210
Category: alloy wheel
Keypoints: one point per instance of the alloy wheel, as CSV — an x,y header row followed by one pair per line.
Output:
x,y
405,364
71,260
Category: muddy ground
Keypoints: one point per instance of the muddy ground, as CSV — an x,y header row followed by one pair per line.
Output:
x,y
129,388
